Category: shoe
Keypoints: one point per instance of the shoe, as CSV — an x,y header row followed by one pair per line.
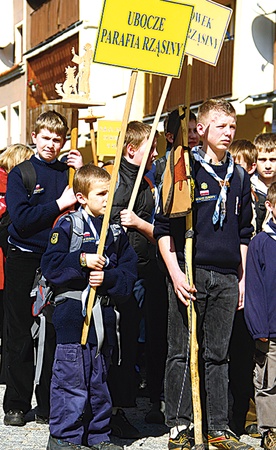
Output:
x,y
41,420
106,446
269,440
226,440
252,430
57,444
180,442
156,414
121,427
15,417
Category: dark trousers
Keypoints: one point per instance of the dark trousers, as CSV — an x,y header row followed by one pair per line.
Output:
x,y
81,405
216,303
240,373
156,317
123,378
20,272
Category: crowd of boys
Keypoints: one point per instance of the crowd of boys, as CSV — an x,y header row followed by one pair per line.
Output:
x,y
82,389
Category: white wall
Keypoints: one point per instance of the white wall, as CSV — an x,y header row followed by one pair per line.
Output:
x,y
253,49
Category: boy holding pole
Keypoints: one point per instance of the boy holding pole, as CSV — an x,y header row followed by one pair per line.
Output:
x,y
222,230
80,401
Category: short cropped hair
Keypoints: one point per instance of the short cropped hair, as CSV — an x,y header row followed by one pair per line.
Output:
x,y
265,142
245,148
219,105
136,133
271,194
86,175
13,155
52,121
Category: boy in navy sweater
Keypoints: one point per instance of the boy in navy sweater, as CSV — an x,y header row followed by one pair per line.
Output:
x,y
222,230
32,219
80,400
260,316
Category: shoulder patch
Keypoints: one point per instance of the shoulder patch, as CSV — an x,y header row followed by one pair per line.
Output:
x,y
54,238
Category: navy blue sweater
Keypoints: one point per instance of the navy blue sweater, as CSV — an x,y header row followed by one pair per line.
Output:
x,y
32,218
260,292
215,248
63,269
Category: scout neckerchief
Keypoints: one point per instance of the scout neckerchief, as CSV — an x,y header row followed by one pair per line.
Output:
x,y
220,208
269,230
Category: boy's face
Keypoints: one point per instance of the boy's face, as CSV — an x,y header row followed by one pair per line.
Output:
x,y
266,167
138,154
48,144
217,131
95,203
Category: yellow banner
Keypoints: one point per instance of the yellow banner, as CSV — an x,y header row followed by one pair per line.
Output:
x,y
207,30
146,35
107,136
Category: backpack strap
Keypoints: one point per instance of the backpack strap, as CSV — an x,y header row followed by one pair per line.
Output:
x,y
241,171
28,175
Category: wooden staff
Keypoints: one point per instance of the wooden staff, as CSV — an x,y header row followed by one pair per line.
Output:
x,y
149,144
195,381
113,180
74,140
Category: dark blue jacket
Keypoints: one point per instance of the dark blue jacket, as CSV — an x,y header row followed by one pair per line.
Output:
x,y
260,287
215,248
32,218
63,270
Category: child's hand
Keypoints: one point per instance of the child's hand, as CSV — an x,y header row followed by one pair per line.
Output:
x,y
67,199
74,159
129,219
96,278
94,261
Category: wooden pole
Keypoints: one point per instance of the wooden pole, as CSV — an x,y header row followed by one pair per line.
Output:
x,y
149,144
74,140
195,381
113,180
93,144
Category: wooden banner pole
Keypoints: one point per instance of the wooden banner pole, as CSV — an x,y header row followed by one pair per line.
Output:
x,y
93,144
195,382
149,144
74,140
113,180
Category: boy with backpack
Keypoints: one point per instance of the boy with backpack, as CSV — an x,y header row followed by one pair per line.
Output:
x,y
81,406
32,215
222,230
260,316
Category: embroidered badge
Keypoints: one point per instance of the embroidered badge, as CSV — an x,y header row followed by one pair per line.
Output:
x,y
54,238
204,189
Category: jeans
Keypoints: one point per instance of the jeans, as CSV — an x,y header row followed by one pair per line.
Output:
x,y
216,303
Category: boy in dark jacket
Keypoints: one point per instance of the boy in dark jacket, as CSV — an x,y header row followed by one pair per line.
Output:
x,y
80,400
32,220
222,230
260,316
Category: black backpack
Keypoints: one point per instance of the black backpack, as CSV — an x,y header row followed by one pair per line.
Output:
x,y
28,175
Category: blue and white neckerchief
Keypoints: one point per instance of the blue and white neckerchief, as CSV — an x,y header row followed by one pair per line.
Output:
x,y
220,208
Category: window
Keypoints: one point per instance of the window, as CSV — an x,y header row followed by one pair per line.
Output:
x,y
3,128
18,50
15,123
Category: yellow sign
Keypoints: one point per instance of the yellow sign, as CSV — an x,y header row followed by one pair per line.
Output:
x,y
107,136
207,30
146,35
